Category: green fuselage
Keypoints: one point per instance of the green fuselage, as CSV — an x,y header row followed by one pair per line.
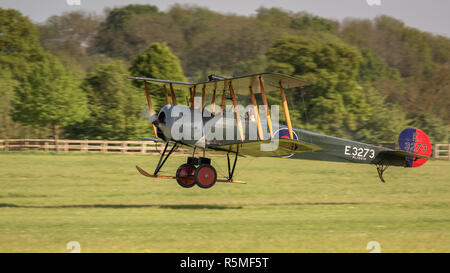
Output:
x,y
331,148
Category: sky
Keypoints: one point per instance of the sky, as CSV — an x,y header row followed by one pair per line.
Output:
x,y
432,16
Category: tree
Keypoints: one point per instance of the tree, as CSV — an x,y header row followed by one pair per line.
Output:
x,y
113,38
7,85
20,51
334,99
49,96
372,68
305,21
384,121
19,43
157,62
417,68
116,106
69,34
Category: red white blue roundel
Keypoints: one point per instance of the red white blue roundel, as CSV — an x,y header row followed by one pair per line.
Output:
x,y
415,141
284,133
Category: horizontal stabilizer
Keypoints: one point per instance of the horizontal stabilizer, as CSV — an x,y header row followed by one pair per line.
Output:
x,y
401,153
397,158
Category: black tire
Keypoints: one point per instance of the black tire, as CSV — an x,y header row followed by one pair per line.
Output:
x,y
182,180
205,176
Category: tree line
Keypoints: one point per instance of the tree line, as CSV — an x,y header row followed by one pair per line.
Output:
x,y
367,79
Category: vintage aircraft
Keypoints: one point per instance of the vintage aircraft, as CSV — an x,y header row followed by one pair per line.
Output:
x,y
253,130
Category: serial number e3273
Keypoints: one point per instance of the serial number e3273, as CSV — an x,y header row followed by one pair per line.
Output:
x,y
359,153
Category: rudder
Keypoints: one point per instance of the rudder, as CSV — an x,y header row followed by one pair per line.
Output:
x,y
415,141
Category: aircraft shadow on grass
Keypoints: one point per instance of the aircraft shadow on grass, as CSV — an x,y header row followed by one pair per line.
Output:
x,y
180,206
120,206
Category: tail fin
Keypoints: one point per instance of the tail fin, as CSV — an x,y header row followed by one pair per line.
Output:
x,y
415,141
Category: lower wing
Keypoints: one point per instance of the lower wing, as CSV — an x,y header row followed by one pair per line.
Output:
x,y
267,148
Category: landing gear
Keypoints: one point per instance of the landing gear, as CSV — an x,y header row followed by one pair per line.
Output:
x,y
188,174
205,176
185,175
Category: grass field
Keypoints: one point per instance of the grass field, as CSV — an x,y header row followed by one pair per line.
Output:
x,y
101,201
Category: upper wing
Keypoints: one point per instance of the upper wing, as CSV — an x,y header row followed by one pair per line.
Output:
x,y
285,147
240,84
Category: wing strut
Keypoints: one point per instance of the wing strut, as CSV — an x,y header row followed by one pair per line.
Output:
x,y
166,95
203,97
150,107
224,96
213,99
266,106
192,91
172,93
286,111
255,110
236,113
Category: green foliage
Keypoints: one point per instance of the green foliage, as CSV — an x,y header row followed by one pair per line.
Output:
x,y
19,42
115,37
384,121
116,106
274,17
373,68
160,63
71,37
421,86
307,21
435,127
335,102
49,95
7,86
119,17
69,34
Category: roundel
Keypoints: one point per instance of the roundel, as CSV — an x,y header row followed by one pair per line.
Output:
x,y
284,133
415,141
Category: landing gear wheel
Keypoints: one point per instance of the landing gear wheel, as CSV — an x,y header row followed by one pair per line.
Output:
x,y
205,176
185,176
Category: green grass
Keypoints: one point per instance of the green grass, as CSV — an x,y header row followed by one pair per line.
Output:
x,y
101,201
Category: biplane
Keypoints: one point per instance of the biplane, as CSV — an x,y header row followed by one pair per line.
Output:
x,y
253,130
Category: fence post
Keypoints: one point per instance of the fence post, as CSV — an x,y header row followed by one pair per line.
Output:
x,y
104,144
436,151
143,147
448,152
124,147
6,148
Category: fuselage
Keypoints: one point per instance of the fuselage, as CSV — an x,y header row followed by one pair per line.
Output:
x,y
205,130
